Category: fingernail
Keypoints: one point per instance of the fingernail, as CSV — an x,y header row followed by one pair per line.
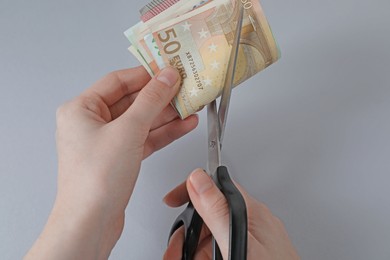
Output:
x,y
168,76
201,181
164,200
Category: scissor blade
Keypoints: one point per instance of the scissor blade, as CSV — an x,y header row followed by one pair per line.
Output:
x,y
229,80
214,149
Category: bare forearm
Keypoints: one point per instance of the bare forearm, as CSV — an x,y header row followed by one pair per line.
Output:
x,y
75,236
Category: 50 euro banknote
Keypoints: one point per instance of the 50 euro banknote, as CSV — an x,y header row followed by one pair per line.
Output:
x,y
196,38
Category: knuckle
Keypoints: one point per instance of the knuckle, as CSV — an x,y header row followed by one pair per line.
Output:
x,y
265,213
204,254
141,127
264,209
155,94
171,135
279,223
90,102
218,207
60,111
151,146
115,78
113,75
64,111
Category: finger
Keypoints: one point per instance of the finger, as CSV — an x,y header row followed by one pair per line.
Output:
x,y
204,233
118,84
177,197
122,105
260,218
211,205
249,200
176,242
166,134
153,98
175,247
205,249
255,208
167,115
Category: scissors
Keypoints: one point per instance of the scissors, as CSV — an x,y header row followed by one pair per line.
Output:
x,y
190,219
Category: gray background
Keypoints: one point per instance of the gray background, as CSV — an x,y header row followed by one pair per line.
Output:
x,y
309,136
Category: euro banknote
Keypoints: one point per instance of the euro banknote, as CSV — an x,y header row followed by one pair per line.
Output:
x,y
196,38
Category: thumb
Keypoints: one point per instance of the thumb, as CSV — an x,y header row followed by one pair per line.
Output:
x,y
154,97
212,206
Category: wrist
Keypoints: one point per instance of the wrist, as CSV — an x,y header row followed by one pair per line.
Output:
x,y
77,234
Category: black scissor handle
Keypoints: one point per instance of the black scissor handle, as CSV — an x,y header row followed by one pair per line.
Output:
x,y
238,245
192,223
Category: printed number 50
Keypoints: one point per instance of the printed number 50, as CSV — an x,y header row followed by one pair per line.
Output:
x,y
170,47
247,4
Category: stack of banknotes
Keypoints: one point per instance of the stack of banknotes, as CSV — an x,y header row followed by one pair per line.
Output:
x,y
196,37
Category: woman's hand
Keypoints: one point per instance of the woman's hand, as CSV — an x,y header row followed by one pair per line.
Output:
x,y
102,137
267,237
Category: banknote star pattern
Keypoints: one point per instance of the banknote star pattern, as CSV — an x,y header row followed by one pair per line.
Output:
x,y
186,26
203,34
194,92
215,65
198,43
207,82
213,47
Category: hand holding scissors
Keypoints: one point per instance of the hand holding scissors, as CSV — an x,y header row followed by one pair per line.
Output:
x,y
267,236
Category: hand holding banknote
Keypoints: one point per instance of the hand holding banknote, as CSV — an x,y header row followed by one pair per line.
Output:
x,y
102,137
267,236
